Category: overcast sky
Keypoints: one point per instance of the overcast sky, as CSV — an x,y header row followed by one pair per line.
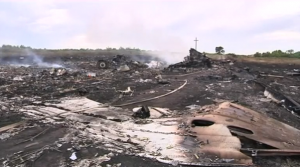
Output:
x,y
240,26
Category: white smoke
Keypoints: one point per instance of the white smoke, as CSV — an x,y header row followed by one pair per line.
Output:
x,y
38,61
170,57
30,59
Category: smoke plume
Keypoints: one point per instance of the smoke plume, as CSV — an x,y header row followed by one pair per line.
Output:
x,y
29,58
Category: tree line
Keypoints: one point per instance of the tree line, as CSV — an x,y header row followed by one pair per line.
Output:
x,y
275,53
10,50
278,53
127,50
22,47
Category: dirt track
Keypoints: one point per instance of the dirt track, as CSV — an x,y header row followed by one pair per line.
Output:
x,y
204,87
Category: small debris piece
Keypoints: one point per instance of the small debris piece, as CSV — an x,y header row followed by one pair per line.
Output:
x,y
193,107
18,78
124,68
73,156
61,72
143,113
82,91
52,71
91,74
160,80
265,100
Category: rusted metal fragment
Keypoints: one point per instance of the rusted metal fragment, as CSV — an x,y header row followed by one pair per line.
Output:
x,y
250,124
202,140
216,142
168,139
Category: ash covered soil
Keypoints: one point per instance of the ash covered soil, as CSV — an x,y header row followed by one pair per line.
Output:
x,y
225,81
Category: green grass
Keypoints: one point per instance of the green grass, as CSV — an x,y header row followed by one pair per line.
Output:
x,y
266,60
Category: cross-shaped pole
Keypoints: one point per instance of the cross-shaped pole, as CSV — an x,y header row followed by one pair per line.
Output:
x,y
196,40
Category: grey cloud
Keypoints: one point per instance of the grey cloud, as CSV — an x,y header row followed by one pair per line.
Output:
x,y
152,24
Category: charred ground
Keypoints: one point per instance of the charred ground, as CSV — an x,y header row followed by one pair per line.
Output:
x,y
224,81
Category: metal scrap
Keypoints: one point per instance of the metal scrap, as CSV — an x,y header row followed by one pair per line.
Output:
x,y
128,91
214,138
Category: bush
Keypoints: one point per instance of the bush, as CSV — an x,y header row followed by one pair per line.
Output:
x,y
278,53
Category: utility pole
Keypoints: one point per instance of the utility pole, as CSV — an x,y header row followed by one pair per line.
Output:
x,y
196,40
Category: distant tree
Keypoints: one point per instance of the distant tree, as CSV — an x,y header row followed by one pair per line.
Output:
x,y
278,53
266,54
296,54
290,51
257,54
6,46
28,47
220,50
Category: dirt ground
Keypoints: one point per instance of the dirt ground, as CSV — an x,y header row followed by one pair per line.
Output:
x,y
20,86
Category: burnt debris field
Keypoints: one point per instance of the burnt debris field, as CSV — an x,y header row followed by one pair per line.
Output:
x,y
120,111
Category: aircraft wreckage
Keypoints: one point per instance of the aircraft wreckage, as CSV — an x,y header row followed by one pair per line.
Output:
x,y
198,112
224,134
